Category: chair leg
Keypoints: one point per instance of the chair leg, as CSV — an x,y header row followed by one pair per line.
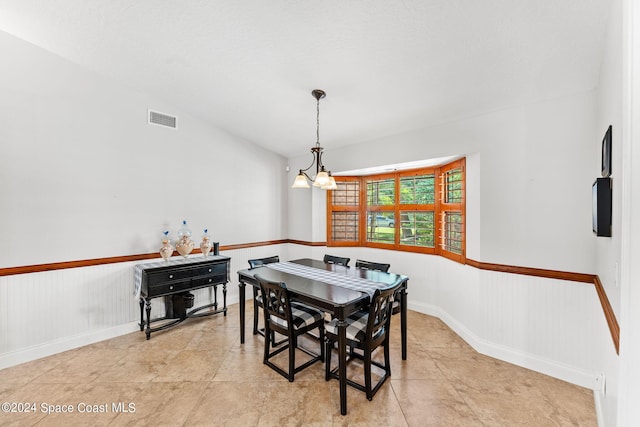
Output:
x,y
367,374
322,347
387,359
267,344
292,357
328,345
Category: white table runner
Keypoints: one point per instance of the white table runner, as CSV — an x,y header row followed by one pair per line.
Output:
x,y
330,277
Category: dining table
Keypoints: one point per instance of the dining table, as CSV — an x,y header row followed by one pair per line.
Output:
x,y
333,288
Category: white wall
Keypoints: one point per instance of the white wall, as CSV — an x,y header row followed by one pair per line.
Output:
x,y
82,174
529,181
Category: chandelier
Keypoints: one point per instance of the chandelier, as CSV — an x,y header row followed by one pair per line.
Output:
x,y
323,177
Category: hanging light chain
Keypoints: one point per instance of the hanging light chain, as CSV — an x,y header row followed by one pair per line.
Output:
x,y
318,121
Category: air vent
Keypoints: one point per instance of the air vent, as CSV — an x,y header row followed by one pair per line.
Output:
x,y
162,119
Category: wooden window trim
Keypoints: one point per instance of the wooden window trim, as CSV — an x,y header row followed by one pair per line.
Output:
x,y
445,207
438,207
342,208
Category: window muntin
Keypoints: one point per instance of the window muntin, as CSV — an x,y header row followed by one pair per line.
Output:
x,y
381,192
381,227
417,229
452,232
347,194
417,190
345,226
453,186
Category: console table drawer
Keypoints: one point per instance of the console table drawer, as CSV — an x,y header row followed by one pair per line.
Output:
x,y
169,288
198,282
171,280
177,274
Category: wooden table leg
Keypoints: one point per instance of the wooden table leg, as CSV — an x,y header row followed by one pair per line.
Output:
x,y
342,361
255,311
241,291
403,322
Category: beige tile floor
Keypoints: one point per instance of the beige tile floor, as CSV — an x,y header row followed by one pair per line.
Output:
x,y
198,374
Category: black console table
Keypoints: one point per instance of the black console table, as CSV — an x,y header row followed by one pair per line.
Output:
x,y
173,279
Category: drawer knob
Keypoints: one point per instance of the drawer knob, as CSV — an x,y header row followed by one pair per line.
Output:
x,y
210,280
170,287
209,270
171,276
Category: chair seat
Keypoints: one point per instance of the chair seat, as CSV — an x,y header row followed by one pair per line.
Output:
x,y
303,315
356,326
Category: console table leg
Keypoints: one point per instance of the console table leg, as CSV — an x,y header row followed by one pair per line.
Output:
x,y
224,298
148,307
141,315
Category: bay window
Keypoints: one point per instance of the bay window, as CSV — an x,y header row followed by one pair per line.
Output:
x,y
421,210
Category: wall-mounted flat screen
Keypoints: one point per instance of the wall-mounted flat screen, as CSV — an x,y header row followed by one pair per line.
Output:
x,y
601,209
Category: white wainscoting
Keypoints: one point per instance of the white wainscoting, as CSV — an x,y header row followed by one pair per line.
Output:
x,y
53,311
551,326
547,325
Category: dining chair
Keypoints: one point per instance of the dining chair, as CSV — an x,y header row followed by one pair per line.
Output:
x,y
289,318
369,265
257,297
258,262
331,259
366,331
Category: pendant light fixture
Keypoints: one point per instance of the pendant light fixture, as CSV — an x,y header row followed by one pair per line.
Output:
x,y
323,177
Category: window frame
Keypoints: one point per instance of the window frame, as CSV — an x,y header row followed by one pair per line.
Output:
x,y
439,207
344,208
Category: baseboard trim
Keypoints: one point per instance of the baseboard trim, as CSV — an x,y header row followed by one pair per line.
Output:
x,y
50,348
582,378
57,346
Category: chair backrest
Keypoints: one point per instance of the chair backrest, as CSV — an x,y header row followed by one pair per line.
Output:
x,y
331,259
275,298
257,262
379,319
369,265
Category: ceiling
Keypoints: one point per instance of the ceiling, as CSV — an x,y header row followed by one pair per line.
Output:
x,y
388,66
